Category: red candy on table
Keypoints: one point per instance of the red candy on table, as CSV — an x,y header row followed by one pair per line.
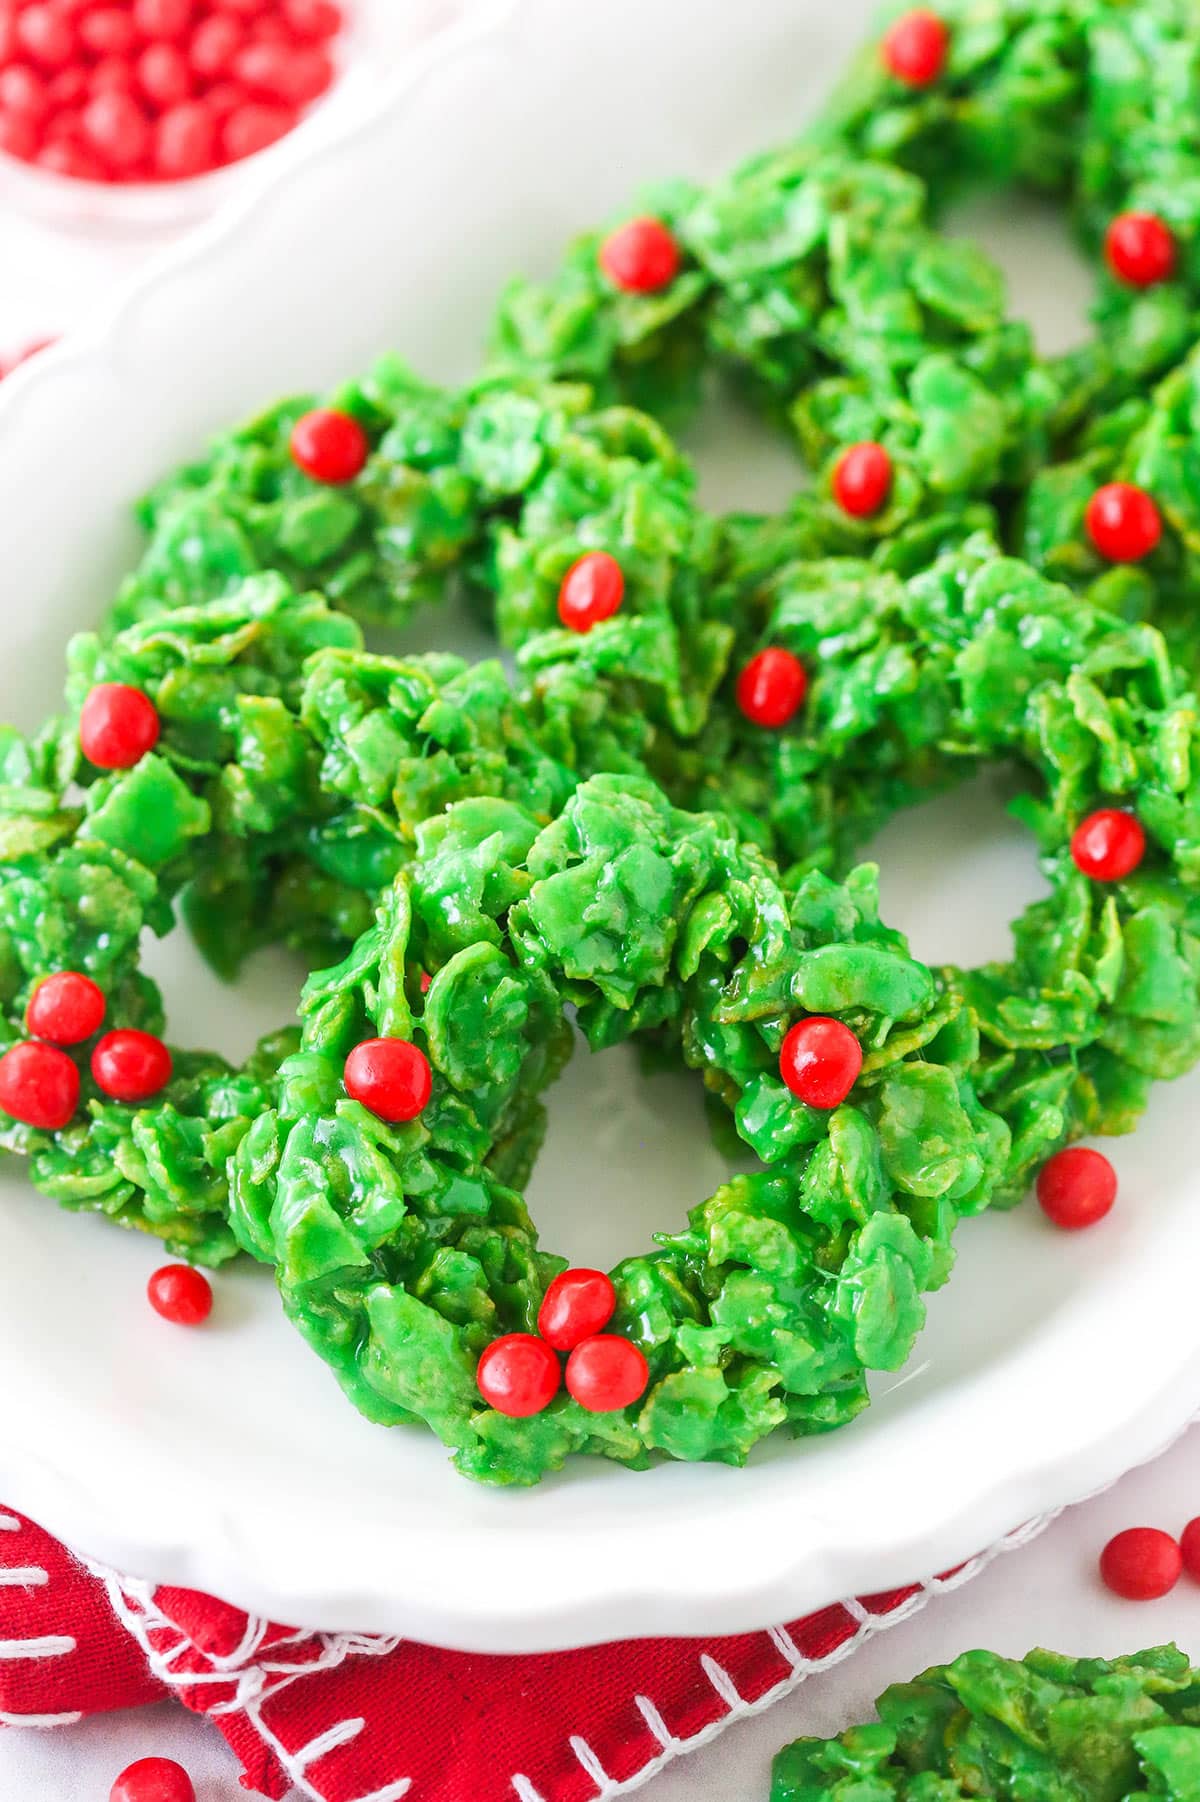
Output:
x,y
391,1077
117,726
641,257
577,1304
819,1061
1140,249
1123,522
39,1085
914,48
327,445
592,590
518,1375
1189,1546
130,1065
1076,1187
862,480
1108,845
153,1780
771,688
181,1294
65,1008
1141,1564
606,1372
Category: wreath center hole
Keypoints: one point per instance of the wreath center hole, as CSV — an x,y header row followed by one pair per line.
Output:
x,y
956,871
627,1154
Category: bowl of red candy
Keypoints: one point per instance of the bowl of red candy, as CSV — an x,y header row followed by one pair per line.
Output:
x,y
136,108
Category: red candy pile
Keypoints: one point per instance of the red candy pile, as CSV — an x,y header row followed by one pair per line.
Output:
x,y
157,90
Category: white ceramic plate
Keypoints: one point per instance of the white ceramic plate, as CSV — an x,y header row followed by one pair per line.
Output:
x,y
227,1459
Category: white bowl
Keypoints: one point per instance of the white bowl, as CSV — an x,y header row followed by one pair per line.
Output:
x,y
227,1459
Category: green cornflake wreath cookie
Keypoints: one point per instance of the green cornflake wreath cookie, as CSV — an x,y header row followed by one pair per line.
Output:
x,y
694,696
403,1259
1048,1726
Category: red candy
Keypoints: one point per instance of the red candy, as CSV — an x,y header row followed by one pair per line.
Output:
x,y
1189,1545
1141,1564
130,1065
391,1077
640,257
163,75
592,590
914,48
117,726
1076,1187
1140,249
117,129
314,19
1108,845
606,1372
1123,522
185,140
327,445
862,480
577,1304
39,1085
108,31
153,1779
46,36
771,688
214,44
162,18
93,90
518,1375
180,1294
819,1061
65,1008
254,127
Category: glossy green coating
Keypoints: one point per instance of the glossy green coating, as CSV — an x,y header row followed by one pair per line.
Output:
x,y
1048,1727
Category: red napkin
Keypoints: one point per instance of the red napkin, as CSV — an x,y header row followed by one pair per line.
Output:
x,y
353,1717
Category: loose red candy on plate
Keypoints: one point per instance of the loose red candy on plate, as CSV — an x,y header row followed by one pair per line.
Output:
x,y
771,688
46,36
1123,522
606,1372
1189,1546
914,47
1108,845
117,726
819,1061
130,1065
39,1085
391,1077
862,480
180,1294
327,445
1076,1187
518,1375
592,590
1141,1564
641,257
1140,249
577,1304
153,1780
65,1008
